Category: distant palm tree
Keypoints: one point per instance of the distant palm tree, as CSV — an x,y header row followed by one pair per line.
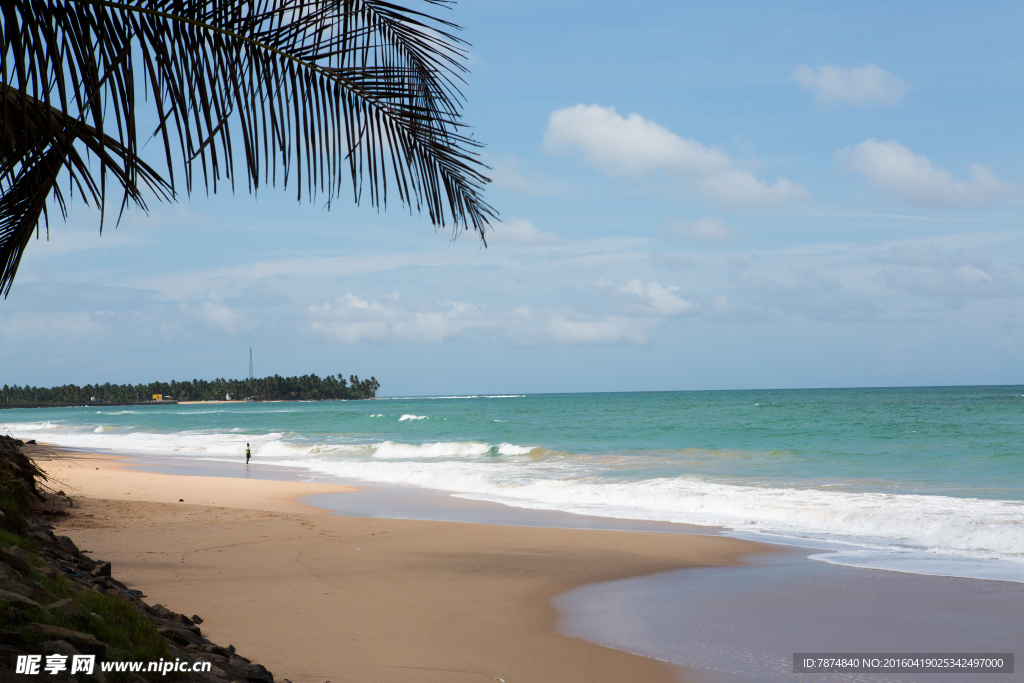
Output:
x,y
315,90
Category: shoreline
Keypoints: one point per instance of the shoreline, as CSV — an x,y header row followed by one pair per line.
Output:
x,y
571,454
318,596
120,404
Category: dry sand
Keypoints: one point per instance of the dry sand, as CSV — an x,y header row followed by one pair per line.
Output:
x,y
317,597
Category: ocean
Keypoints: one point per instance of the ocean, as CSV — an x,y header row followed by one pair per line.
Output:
x,y
920,480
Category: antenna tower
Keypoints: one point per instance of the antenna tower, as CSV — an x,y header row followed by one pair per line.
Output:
x,y
250,363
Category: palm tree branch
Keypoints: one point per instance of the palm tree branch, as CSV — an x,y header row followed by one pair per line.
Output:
x,y
28,177
331,74
335,81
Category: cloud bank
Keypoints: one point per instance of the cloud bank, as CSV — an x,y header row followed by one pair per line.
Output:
x,y
634,146
353,319
964,273
896,170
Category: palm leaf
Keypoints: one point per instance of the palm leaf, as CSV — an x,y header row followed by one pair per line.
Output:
x,y
318,91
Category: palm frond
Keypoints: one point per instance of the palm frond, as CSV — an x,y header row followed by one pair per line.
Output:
x,y
31,158
318,91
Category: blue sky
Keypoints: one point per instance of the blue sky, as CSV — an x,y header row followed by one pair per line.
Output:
x,y
694,196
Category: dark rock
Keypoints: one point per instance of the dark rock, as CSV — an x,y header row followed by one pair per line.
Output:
x,y
63,558
17,599
11,638
121,595
69,608
256,673
161,611
195,618
182,619
9,654
181,636
101,569
238,662
40,594
67,544
58,647
8,676
155,620
17,583
18,560
219,672
83,641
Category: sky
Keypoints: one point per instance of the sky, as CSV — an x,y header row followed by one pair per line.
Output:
x,y
723,195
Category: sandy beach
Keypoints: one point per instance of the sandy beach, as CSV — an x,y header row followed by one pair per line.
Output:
x,y
320,597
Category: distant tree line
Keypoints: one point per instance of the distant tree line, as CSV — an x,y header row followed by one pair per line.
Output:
x,y
276,388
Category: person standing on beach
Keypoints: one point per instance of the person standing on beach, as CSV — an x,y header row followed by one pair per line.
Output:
x,y
247,454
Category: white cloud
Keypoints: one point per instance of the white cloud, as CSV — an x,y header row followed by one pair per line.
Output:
x,y
741,188
631,145
217,314
607,330
965,273
634,146
861,86
518,231
707,228
353,319
650,298
895,169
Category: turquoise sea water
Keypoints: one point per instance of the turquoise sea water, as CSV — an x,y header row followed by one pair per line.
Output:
x,y
925,480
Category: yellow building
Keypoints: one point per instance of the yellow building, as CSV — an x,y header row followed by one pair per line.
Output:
x,y
158,397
